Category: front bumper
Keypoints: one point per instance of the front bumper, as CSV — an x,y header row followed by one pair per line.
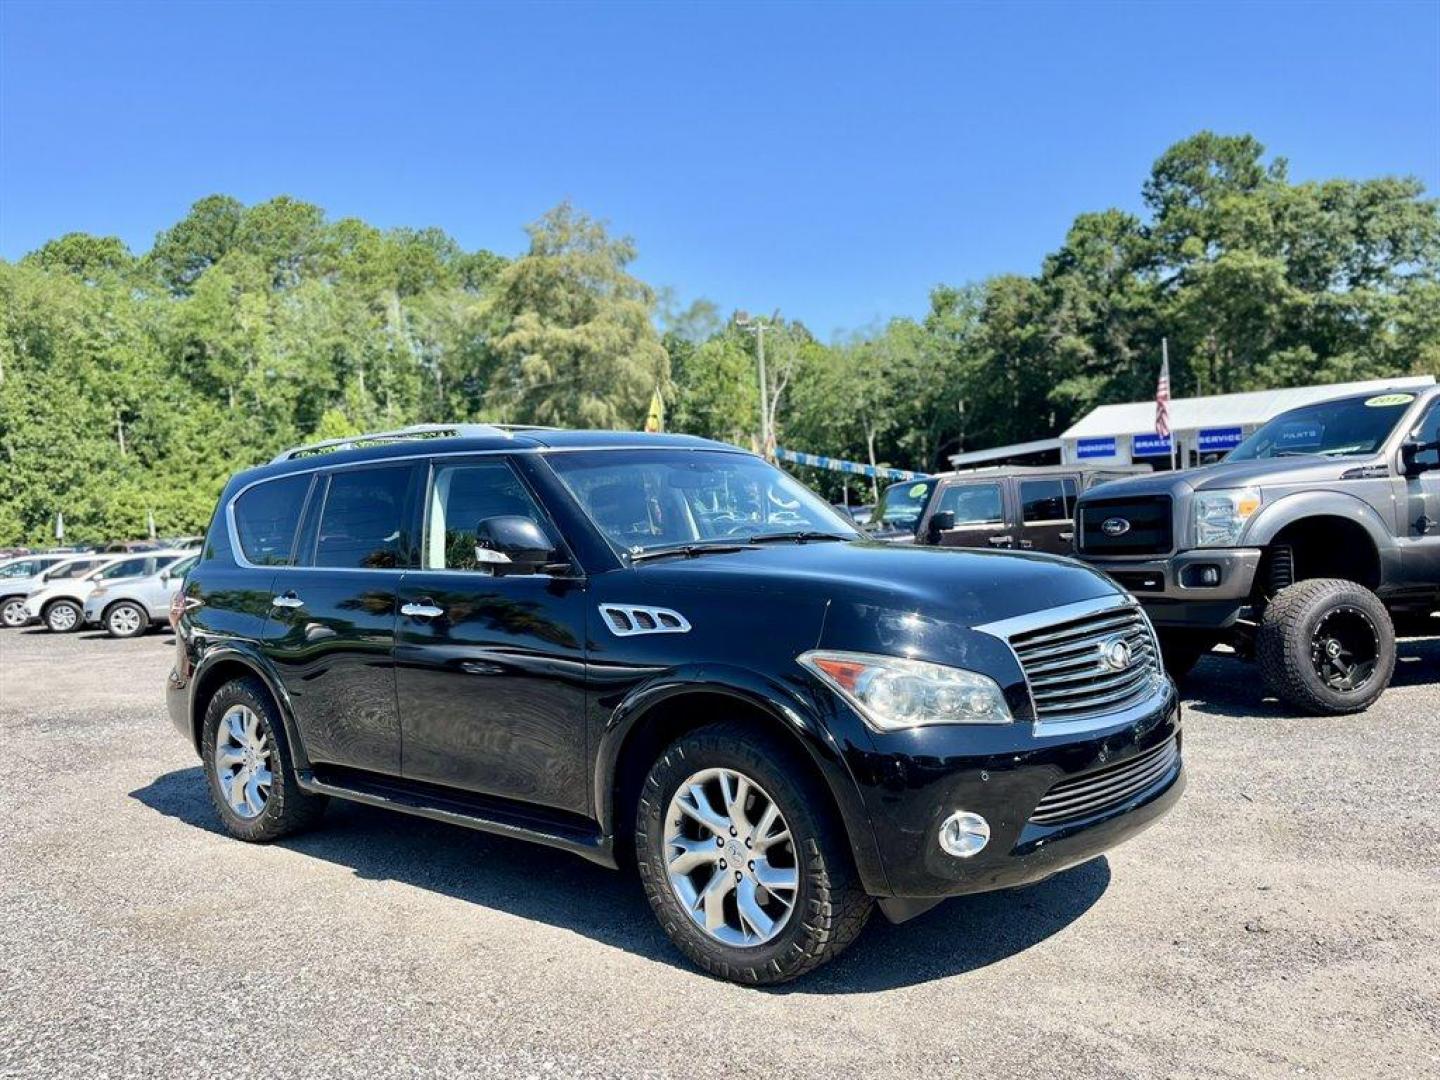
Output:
x,y
927,774
93,608
1168,586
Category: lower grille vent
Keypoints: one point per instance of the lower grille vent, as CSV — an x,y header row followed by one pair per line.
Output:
x,y
1096,792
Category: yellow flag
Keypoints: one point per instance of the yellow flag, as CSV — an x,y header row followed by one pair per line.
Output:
x,y
656,420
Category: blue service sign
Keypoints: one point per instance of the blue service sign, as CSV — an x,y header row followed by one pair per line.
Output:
x,y
1150,446
1093,448
1220,438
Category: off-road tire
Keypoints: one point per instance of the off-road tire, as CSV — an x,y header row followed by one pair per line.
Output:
x,y
1284,640
288,809
54,620
142,623
830,906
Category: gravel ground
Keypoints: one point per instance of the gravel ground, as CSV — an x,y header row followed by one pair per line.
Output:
x,y
1284,920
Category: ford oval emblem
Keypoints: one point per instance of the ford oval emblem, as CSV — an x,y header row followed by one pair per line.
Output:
x,y
1115,526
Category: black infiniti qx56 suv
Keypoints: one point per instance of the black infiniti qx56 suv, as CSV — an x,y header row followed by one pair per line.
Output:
x,y
662,649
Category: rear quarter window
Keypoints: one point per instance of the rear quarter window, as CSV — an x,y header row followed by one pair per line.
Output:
x,y
266,517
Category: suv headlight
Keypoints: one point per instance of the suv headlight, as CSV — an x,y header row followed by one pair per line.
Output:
x,y
893,694
1220,515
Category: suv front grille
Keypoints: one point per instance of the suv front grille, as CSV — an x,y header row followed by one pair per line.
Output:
x,y
1072,666
1104,789
1148,529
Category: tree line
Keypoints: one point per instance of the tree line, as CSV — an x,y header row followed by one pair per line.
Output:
x,y
133,385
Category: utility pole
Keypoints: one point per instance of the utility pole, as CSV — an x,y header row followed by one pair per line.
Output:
x,y
758,328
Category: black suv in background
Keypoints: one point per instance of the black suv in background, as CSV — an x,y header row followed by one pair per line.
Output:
x,y
1031,508
1303,549
663,650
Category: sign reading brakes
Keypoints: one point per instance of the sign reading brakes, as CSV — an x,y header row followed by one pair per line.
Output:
x,y
1150,445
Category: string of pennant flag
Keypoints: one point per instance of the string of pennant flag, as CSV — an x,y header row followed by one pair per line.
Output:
x,y
855,468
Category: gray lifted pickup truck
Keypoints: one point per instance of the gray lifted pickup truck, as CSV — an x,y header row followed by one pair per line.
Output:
x,y
1303,549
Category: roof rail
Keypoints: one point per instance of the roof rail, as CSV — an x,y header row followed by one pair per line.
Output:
x,y
414,431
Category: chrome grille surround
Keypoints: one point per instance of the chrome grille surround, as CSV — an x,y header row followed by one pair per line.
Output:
x,y
1107,788
1063,654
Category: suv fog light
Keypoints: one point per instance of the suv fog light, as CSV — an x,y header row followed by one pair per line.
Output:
x,y
963,834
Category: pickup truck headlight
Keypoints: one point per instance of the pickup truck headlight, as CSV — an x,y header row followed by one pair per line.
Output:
x,y
893,693
1221,515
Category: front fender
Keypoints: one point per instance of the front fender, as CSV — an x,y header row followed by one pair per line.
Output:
x,y
1306,504
236,651
788,706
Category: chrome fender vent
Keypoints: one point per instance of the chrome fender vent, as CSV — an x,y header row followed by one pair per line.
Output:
x,y
628,620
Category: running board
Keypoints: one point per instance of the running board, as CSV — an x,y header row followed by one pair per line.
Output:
x,y
557,829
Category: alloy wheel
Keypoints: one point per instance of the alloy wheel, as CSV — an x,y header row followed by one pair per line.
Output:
x,y
14,613
730,857
124,621
61,618
243,762
1345,648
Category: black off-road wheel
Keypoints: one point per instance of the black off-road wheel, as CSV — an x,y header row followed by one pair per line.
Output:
x,y
248,767
1326,646
743,859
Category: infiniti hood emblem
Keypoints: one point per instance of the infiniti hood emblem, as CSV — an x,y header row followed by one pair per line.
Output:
x,y
1115,653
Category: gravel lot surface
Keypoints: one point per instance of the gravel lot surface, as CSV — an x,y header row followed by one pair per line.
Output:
x,y
1284,920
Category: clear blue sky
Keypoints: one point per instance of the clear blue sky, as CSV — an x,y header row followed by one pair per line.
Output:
x,y
836,161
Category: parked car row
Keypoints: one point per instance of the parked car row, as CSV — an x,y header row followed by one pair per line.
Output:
x,y
124,594
1304,550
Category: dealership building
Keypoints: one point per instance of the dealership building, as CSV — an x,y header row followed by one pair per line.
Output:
x,y
1203,429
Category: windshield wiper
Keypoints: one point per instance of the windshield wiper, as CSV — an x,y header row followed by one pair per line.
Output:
x,y
799,536
687,551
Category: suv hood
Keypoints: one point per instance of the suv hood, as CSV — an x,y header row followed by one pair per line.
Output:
x,y
949,584
1232,474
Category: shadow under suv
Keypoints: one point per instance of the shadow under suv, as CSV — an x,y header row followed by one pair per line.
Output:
x,y
662,650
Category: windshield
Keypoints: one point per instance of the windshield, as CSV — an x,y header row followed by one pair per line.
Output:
x,y
1337,428
648,499
901,506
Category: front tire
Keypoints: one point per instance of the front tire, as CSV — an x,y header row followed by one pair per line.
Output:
x,y
64,617
742,859
126,620
248,767
1326,646
13,613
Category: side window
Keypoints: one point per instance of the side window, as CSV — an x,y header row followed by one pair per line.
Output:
x,y
973,504
461,497
125,568
366,521
1048,500
265,519
19,569
1429,432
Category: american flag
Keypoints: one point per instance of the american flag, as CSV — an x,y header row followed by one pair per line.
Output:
x,y
1162,401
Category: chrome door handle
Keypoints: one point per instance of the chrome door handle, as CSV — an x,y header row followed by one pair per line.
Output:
x,y
289,599
1067,536
1001,541
423,610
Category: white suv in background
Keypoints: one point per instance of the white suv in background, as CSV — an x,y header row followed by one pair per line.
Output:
x,y
127,607
60,602
19,577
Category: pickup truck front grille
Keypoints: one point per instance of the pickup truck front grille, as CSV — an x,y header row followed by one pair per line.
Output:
x,y
1107,788
1099,662
1137,526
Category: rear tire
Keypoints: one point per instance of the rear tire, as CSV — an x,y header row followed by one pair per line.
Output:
x,y
248,767
1326,646
814,907
126,620
63,617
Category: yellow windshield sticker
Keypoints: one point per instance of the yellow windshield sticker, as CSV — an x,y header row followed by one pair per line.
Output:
x,y
1385,400
917,491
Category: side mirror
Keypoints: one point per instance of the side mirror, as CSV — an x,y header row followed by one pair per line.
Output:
x,y
1410,453
940,521
512,544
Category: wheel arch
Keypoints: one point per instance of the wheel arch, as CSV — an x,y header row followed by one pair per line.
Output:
x,y
1302,519
227,664
657,713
